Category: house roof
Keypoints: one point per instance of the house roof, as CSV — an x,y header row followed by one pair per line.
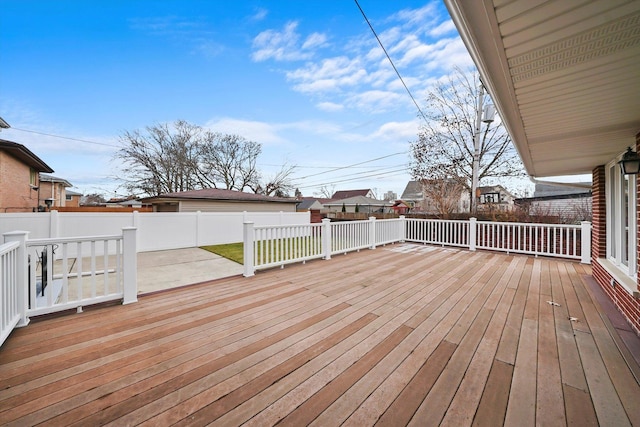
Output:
x,y
25,155
413,191
562,74
50,178
217,194
345,194
549,190
358,200
72,193
308,203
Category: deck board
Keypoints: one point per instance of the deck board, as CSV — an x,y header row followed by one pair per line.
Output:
x,y
401,335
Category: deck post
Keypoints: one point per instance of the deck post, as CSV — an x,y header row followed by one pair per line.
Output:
x,y
21,274
472,233
372,232
585,242
403,228
326,238
129,265
247,239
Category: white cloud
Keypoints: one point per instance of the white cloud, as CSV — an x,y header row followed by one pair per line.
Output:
x,y
444,28
397,131
376,101
330,107
315,40
331,74
262,132
260,14
284,45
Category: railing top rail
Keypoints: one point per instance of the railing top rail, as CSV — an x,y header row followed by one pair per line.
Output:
x,y
530,224
9,246
47,241
438,220
264,227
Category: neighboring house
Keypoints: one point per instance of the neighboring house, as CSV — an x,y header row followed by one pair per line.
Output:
x,y
435,197
72,199
19,177
309,203
564,79
571,203
53,191
217,200
401,207
495,198
347,194
361,204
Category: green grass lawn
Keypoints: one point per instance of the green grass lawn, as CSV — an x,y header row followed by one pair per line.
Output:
x,y
235,251
232,251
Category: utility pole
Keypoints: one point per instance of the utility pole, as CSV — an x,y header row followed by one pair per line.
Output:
x,y
476,152
489,112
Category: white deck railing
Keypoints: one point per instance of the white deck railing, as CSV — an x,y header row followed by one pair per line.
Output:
x,y
267,247
10,291
41,276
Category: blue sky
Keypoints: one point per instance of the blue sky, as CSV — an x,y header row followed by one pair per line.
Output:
x,y
307,80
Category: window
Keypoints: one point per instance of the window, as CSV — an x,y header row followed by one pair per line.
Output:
x,y
68,197
621,214
33,177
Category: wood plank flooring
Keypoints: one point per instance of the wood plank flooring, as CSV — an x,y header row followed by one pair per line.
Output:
x,y
401,335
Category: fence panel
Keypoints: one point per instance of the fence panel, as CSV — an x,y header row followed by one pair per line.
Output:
x,y
349,236
285,244
555,240
438,232
9,288
389,231
70,273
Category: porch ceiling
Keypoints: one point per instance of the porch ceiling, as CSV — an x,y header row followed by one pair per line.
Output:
x,y
564,75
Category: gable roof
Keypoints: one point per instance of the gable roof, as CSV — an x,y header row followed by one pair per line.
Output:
x,y
50,178
218,194
563,75
346,194
25,155
413,191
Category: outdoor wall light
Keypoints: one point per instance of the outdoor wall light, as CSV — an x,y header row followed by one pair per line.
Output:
x,y
630,162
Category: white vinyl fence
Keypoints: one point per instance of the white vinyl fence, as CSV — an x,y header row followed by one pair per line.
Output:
x,y
156,230
271,246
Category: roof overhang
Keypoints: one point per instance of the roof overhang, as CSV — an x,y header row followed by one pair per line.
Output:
x,y
563,74
25,155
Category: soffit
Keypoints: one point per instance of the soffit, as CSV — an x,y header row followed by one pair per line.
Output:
x,y
564,75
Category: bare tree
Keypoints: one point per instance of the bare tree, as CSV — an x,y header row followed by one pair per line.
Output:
x,y
326,191
162,160
443,196
445,145
180,156
93,199
279,184
229,162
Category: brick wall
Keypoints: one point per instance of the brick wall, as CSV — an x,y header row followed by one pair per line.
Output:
x,y
599,219
16,195
625,302
628,304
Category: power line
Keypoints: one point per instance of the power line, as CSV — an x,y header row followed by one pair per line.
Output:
x,y
66,137
350,166
357,175
391,62
388,174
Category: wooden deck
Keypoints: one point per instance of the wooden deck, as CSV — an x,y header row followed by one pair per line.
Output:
x,y
401,335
